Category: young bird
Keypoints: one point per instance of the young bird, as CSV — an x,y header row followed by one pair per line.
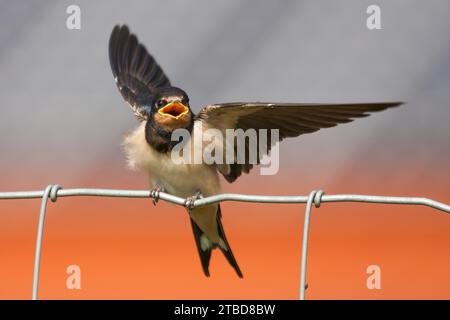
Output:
x,y
163,108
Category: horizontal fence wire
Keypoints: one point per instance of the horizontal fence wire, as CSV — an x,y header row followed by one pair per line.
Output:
x,y
54,191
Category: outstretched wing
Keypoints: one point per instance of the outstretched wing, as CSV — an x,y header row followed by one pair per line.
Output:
x,y
291,119
135,71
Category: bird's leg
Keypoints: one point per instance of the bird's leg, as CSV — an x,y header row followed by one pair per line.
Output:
x,y
154,193
189,203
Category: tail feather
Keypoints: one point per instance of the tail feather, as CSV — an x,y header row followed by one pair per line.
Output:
x,y
205,255
227,252
205,247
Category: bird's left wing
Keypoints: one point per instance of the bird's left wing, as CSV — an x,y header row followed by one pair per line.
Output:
x,y
291,119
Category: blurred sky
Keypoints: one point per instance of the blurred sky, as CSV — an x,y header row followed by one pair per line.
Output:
x,y
60,107
62,121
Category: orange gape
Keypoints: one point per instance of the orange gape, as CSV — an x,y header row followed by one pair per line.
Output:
x,y
173,116
174,109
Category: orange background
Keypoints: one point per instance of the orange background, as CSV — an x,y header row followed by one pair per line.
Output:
x,y
127,248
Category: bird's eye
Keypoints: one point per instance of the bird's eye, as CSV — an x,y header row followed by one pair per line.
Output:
x,y
160,103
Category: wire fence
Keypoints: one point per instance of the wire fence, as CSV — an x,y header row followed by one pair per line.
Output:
x,y
54,191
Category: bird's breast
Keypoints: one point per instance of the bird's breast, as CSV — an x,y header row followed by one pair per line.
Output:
x,y
182,180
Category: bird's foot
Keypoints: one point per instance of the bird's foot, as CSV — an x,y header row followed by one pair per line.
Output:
x,y
189,202
154,194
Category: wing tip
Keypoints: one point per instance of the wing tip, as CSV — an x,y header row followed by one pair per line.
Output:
x,y
395,104
119,34
387,105
127,55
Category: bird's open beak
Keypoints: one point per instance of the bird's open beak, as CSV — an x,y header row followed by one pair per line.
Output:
x,y
174,110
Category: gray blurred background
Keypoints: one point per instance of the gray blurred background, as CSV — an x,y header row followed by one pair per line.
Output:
x,y
61,115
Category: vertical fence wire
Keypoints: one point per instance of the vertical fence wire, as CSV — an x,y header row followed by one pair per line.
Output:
x,y
40,232
305,244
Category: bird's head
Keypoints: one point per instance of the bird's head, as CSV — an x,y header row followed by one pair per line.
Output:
x,y
171,109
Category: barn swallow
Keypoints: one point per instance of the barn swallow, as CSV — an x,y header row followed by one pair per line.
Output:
x,y
162,108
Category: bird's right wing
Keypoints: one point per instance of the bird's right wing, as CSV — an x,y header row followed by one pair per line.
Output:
x,y
135,71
